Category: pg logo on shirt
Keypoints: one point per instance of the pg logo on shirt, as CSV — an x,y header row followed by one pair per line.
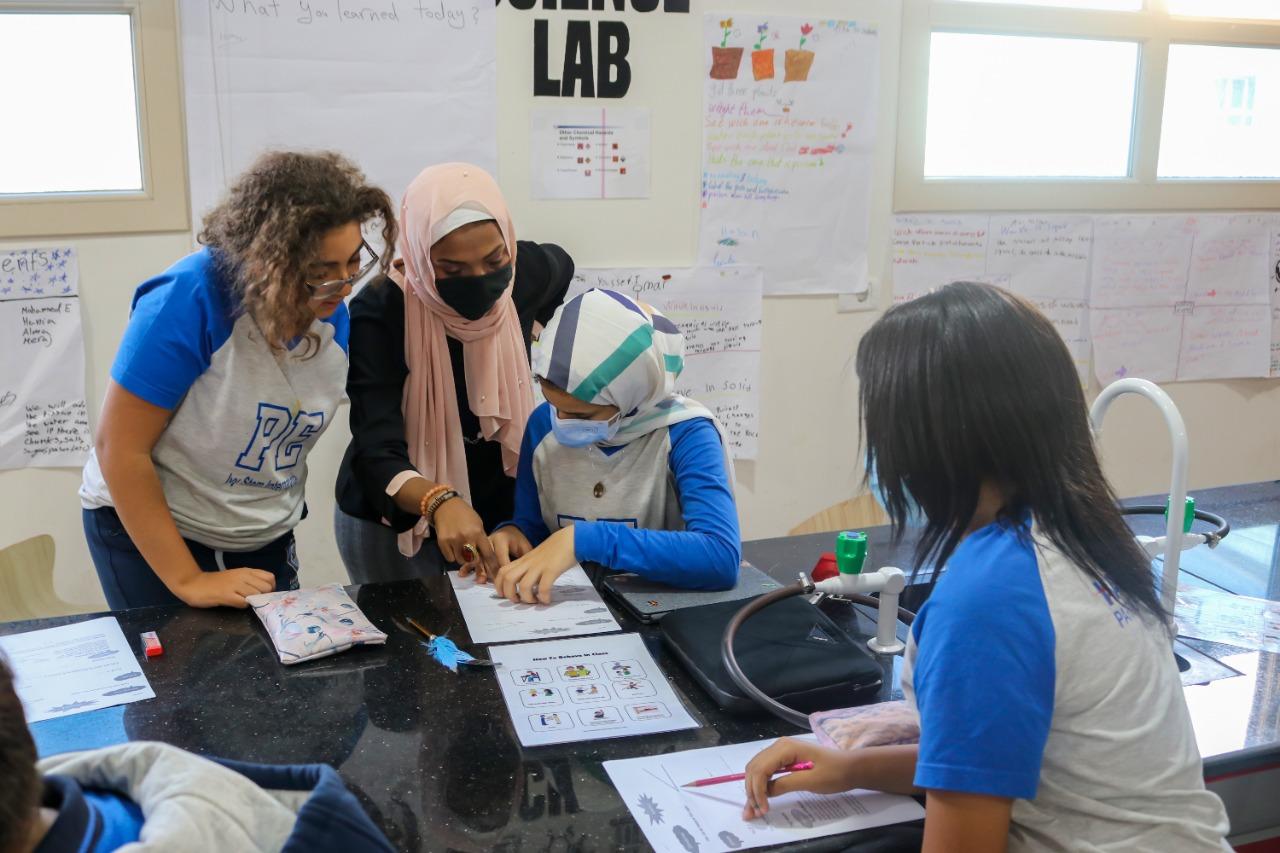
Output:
x,y
279,436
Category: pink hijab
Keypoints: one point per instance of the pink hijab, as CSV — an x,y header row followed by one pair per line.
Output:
x,y
499,388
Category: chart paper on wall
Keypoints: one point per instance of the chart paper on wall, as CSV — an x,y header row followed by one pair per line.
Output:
x,y
719,311
44,418
788,130
1166,298
1181,297
395,86
1044,258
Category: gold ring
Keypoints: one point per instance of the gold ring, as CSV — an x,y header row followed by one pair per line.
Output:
x,y
469,553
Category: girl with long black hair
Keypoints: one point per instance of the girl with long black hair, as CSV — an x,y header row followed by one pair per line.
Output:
x,y
1051,710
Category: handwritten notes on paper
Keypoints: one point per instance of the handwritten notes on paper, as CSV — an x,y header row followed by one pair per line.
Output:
x,y
1043,258
788,128
44,420
589,153
395,86
719,312
930,251
1181,297
1168,297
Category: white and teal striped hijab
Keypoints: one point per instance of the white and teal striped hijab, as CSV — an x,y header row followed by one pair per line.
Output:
x,y
608,349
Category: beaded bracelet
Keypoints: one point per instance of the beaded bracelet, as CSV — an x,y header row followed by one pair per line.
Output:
x,y
428,498
447,495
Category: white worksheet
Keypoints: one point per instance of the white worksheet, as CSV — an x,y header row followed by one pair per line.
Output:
x,y
1223,617
74,668
565,691
678,819
575,609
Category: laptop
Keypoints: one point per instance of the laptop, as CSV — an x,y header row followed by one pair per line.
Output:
x,y
648,601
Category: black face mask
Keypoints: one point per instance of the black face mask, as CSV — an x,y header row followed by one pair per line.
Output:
x,y
473,295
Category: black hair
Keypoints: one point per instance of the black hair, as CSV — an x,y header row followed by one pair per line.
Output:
x,y
20,787
968,385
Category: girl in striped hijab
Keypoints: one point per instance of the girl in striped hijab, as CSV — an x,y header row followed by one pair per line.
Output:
x,y
617,468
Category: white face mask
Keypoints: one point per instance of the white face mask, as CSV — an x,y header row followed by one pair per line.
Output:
x,y
576,432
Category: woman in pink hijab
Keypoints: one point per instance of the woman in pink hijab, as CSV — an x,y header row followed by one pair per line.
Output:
x,y
439,380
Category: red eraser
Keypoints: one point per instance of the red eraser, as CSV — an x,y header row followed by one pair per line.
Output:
x,y
151,645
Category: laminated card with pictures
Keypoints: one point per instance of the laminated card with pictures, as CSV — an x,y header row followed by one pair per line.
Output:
x,y
563,691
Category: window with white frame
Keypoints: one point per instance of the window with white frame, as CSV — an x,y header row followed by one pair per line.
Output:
x,y
94,141
1089,104
79,108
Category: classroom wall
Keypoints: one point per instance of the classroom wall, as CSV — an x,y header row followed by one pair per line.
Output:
x,y
808,429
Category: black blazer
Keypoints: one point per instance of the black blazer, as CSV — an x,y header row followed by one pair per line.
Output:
x,y
375,385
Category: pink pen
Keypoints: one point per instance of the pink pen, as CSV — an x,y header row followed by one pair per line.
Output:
x,y
738,777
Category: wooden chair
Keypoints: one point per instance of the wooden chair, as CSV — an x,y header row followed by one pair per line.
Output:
x,y
853,514
26,582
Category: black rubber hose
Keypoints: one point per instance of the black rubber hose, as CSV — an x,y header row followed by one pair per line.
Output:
x,y
1221,527
731,661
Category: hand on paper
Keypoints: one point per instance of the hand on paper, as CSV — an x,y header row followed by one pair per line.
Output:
x,y
457,525
537,570
509,544
224,589
832,773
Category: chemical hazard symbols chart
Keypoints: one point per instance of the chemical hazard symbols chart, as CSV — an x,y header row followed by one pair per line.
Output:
x,y
589,153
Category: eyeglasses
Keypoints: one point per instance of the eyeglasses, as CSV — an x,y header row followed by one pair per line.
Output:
x,y
326,289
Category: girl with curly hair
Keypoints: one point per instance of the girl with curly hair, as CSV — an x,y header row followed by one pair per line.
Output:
x,y
231,367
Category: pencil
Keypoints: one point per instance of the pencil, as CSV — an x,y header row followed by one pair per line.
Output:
x,y
738,777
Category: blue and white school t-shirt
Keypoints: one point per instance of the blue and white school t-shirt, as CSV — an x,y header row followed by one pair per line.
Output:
x,y
661,506
233,459
1034,682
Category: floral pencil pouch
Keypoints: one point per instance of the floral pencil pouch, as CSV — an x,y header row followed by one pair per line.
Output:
x,y
306,624
882,724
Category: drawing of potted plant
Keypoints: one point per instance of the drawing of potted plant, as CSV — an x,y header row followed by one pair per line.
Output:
x,y
725,60
798,62
762,57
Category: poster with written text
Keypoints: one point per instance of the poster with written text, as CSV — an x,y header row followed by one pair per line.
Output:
x,y
719,312
789,116
1170,297
1181,297
1042,257
394,86
44,419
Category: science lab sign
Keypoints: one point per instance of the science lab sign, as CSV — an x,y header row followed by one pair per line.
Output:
x,y
594,64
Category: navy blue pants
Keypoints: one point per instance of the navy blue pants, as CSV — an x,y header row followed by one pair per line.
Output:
x,y
128,581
